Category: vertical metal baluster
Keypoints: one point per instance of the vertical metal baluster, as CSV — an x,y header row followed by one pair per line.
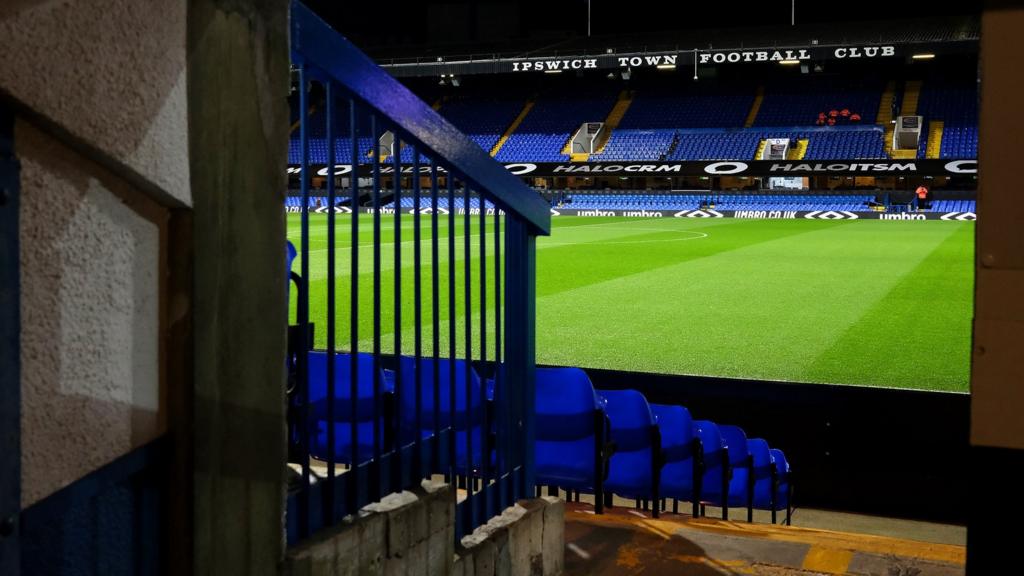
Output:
x,y
485,429
398,468
303,304
417,460
376,477
353,483
435,303
500,408
520,276
467,312
451,324
328,501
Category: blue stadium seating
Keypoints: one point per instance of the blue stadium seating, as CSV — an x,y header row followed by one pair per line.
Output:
x,y
552,121
656,451
318,422
784,487
679,473
462,421
957,106
763,485
571,435
739,465
636,464
715,477
646,200
795,102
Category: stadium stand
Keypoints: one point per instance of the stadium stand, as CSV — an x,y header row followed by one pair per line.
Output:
x,y
543,135
691,200
798,102
682,122
956,106
483,119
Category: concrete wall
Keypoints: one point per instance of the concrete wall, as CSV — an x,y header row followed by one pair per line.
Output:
x,y
413,534
238,83
108,72
90,317
99,88
153,135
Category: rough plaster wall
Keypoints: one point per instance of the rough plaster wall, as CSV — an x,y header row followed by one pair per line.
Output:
x,y
90,305
111,72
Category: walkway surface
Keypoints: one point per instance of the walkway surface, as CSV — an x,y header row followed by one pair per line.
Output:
x,y
626,541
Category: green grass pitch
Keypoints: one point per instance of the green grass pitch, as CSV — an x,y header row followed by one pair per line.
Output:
x,y
867,302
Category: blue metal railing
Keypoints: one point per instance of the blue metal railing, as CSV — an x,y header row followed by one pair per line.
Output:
x,y
482,445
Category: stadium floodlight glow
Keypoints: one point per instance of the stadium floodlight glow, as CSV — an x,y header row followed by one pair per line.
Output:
x,y
789,62
666,66
923,56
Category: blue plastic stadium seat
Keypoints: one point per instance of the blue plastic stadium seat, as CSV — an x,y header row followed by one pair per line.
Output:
x,y
764,478
571,448
739,464
680,448
289,258
472,421
715,463
784,485
636,463
318,418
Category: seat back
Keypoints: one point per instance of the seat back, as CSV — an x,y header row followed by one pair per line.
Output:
x,y
289,259
290,254
634,433
676,427
761,472
736,440
631,420
713,444
342,418
678,449
782,473
317,366
568,413
407,394
565,404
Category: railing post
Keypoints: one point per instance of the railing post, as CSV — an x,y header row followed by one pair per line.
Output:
x,y
10,351
520,309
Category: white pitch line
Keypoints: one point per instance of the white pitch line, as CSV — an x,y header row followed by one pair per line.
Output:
x,y
701,236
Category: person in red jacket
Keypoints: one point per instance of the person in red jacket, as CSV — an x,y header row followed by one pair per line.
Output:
x,y
854,117
921,197
831,121
845,112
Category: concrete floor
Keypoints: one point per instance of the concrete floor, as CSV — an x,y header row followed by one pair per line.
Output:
x,y
624,541
831,520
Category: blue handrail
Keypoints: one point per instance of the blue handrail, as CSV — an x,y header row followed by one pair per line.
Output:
x,y
398,429
315,44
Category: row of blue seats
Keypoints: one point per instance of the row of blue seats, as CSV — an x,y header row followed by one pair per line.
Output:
x,y
600,442
682,202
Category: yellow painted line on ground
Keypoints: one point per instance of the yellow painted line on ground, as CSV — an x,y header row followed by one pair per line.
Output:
x,y
827,560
